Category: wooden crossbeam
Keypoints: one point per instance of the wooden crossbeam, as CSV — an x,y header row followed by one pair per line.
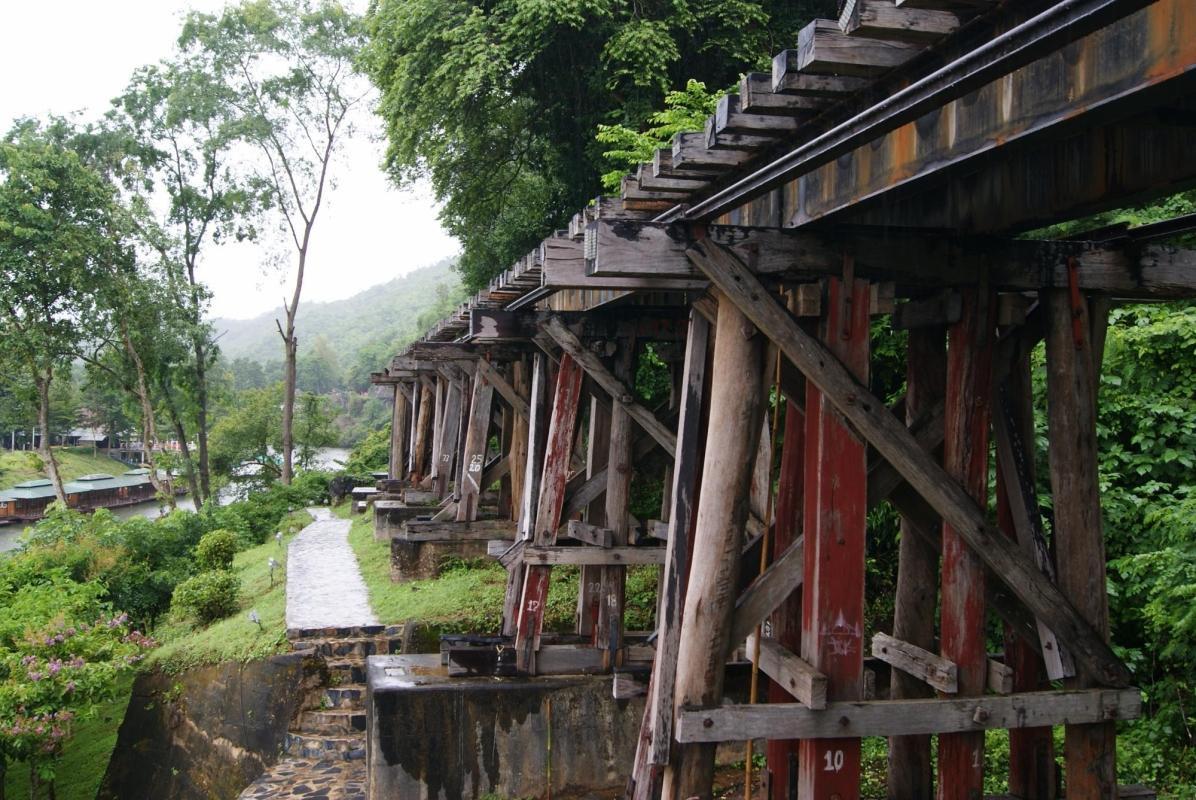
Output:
x,y
590,534
882,19
730,117
767,592
505,390
604,556
931,669
690,152
796,676
787,77
639,249
822,47
907,717
436,531
594,367
757,96
565,268
894,442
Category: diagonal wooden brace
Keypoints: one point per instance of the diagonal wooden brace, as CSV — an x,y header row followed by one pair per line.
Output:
x,y
895,443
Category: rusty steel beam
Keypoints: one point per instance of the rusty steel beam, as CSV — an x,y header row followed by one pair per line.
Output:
x,y
1060,24
1102,122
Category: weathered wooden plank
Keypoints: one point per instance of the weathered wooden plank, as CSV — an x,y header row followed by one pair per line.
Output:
x,y
757,96
610,384
609,631
590,534
421,442
398,434
565,268
835,526
504,388
768,591
795,676
663,166
473,456
602,556
970,345
882,19
533,466
736,405
999,678
415,530
923,665
1072,377
911,772
626,686
787,76
823,48
690,152
937,310
557,455
891,439
907,717
739,139
729,117
688,455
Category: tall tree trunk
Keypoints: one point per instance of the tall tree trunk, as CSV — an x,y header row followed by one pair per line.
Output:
x,y
42,382
290,345
180,431
149,428
201,388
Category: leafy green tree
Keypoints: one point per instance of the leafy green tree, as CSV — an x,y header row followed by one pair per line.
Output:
x,y
498,103
179,120
59,230
313,428
319,368
244,438
286,68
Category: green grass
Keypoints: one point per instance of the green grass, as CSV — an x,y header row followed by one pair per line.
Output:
x,y
25,465
85,758
185,644
468,595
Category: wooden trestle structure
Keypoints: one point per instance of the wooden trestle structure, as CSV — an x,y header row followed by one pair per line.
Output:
x,y
884,167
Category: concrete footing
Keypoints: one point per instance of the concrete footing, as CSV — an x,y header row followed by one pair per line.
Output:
x,y
431,737
417,561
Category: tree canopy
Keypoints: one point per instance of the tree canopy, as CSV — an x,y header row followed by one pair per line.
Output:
x,y
499,103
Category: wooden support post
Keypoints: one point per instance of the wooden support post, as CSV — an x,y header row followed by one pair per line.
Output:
x,y
423,434
736,405
609,633
910,771
449,413
786,619
965,457
438,428
506,428
656,732
537,437
1090,750
1031,750
473,457
398,435
589,588
413,431
551,501
836,505
517,455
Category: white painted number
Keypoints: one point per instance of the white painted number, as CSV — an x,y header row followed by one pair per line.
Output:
x,y
834,760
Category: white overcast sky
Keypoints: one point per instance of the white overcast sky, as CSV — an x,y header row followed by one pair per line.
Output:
x,y
62,56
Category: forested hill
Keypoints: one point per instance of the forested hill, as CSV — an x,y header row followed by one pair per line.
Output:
x,y
387,312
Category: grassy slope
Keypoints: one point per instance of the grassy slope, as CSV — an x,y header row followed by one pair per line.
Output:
x,y
236,638
86,758
23,465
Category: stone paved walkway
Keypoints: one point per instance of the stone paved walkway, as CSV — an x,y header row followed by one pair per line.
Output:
x,y
324,584
302,779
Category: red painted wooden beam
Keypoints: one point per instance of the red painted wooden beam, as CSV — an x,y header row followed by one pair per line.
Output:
x,y
548,514
836,505
965,457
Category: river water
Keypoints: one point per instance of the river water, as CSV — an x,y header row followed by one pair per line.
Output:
x,y
329,458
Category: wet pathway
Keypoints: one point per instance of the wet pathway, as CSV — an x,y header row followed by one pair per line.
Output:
x,y
324,584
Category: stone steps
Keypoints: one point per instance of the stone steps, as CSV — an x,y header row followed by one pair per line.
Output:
x,y
347,647
325,747
346,696
353,632
305,779
346,671
333,722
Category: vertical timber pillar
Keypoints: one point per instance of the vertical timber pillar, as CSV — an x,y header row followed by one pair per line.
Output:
x,y
448,411
423,432
398,434
473,456
1090,750
786,619
589,588
517,454
442,388
1031,750
609,634
836,505
736,406
550,504
533,463
910,772
965,457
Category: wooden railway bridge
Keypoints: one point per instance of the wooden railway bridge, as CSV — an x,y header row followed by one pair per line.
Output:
x,y
887,165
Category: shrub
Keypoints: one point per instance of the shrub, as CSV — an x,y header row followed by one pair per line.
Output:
x,y
208,596
216,549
